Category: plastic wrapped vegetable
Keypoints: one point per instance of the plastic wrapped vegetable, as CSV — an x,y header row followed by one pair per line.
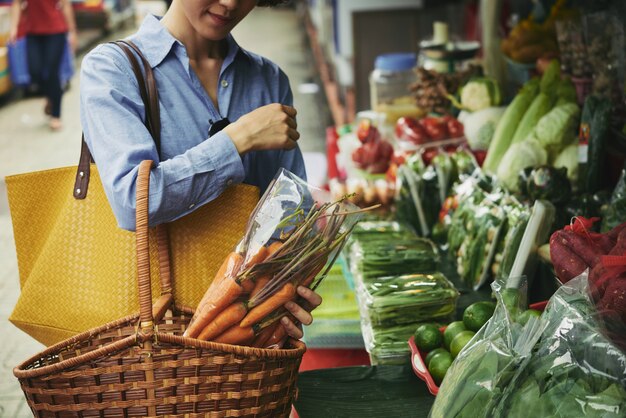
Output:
x,y
408,299
480,126
528,153
475,381
575,370
557,128
480,242
293,237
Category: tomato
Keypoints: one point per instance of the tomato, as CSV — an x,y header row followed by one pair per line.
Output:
x,y
480,156
366,132
435,128
455,128
429,154
409,129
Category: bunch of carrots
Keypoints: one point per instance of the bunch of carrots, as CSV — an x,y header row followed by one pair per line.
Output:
x,y
244,303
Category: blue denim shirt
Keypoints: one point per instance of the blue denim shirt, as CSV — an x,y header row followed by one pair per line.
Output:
x,y
192,169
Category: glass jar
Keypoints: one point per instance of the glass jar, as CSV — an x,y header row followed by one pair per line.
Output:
x,y
390,82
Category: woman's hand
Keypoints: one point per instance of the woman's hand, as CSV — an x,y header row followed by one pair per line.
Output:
x,y
301,313
271,126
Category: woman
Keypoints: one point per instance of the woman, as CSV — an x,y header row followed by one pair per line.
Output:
x,y
49,26
204,80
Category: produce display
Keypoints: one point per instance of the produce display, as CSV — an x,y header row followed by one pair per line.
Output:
x,y
422,190
397,286
536,129
438,348
294,235
574,370
481,182
474,383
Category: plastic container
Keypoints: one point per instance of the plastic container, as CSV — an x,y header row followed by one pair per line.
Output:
x,y
390,81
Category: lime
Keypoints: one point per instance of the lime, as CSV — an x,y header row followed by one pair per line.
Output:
x,y
451,331
527,314
439,365
461,339
433,354
477,314
428,337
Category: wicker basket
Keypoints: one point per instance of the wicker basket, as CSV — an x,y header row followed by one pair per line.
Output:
x,y
141,365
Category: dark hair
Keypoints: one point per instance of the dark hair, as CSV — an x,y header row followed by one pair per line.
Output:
x,y
265,3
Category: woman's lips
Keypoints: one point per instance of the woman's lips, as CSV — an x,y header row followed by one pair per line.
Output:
x,y
219,19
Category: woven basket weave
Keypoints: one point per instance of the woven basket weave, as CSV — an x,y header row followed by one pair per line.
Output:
x,y
141,365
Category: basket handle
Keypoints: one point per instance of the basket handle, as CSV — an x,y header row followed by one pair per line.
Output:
x,y
146,323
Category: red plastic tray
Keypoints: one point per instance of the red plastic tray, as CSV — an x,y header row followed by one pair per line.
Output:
x,y
417,356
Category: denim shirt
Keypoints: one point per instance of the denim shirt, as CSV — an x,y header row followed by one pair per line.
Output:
x,y
192,168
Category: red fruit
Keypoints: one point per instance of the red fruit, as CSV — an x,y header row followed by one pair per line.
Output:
x,y
358,156
409,129
435,128
429,154
366,132
455,128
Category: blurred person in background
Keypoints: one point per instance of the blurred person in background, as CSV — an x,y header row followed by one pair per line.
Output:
x,y
49,26
226,117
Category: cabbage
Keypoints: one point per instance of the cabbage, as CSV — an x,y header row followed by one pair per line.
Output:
x,y
568,158
528,153
556,128
480,93
480,126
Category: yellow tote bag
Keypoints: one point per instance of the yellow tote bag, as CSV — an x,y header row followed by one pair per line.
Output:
x,y
77,267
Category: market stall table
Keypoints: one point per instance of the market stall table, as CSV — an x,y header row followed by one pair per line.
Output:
x,y
362,391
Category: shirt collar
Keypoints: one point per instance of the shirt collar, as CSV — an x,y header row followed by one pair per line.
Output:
x,y
156,43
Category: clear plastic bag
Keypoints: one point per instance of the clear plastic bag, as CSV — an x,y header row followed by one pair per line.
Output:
x,y
576,369
475,381
292,238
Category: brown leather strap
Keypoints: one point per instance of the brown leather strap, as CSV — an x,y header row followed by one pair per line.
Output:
x,y
83,171
150,98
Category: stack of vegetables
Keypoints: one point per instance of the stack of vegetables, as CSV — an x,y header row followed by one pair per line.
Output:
x,y
484,230
539,127
292,239
398,288
422,189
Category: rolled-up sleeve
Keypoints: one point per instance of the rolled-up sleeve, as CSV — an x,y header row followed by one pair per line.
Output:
x,y
112,116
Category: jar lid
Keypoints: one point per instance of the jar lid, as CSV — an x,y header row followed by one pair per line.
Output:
x,y
396,62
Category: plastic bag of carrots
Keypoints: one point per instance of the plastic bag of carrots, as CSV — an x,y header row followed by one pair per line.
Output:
x,y
292,238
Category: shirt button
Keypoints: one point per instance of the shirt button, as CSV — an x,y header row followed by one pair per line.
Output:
x,y
192,205
229,182
224,83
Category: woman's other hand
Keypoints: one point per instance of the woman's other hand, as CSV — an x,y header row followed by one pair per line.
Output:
x,y
269,127
301,312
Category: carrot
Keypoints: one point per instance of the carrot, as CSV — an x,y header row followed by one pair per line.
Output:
x,y
259,257
230,266
225,293
273,247
264,335
228,317
277,336
236,335
256,314
259,284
